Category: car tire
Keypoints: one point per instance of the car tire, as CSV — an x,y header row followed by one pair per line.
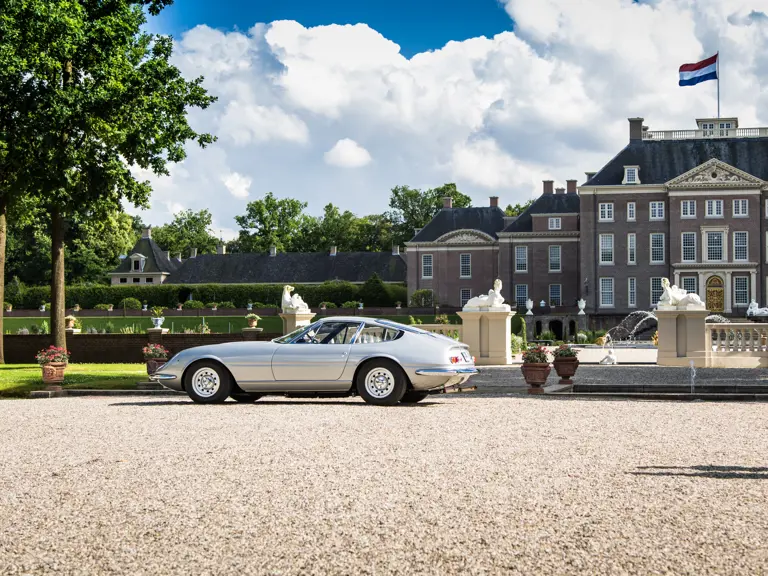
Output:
x,y
245,397
411,397
381,382
207,382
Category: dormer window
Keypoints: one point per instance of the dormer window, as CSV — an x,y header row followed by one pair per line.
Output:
x,y
631,175
137,262
137,265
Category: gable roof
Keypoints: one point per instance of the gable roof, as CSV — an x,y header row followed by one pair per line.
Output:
x,y
545,204
662,160
289,267
157,262
487,219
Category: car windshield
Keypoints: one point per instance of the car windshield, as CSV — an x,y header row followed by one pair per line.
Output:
x,y
291,335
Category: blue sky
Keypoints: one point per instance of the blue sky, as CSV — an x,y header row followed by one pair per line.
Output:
x,y
416,25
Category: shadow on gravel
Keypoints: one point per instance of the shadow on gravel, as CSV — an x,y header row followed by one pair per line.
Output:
x,y
719,472
274,403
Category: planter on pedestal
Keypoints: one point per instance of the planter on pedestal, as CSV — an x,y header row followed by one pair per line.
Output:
x,y
53,361
155,355
158,322
566,368
154,363
535,369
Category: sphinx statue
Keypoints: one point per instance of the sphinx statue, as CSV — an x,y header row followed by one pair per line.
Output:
x,y
293,304
754,311
491,301
673,296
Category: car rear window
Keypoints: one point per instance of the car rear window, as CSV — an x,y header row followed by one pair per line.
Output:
x,y
403,327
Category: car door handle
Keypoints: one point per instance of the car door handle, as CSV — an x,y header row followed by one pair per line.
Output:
x,y
343,353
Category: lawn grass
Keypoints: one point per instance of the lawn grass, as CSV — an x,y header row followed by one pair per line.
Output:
x,y
18,380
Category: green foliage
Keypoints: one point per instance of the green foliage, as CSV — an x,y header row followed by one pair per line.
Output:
x,y
187,230
565,351
442,319
413,321
129,304
211,305
109,328
157,311
14,291
517,324
6,305
44,327
516,344
350,304
422,299
227,305
374,292
270,222
517,209
582,338
536,355
412,208
193,305
102,306
547,335
523,333
328,304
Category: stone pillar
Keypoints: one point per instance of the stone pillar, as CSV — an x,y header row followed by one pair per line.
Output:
x,y
677,278
581,322
727,289
682,337
155,335
702,288
251,333
292,321
529,326
72,331
488,336
753,286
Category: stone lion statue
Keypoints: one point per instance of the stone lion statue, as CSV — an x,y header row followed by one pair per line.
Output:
x,y
755,310
493,299
674,296
293,303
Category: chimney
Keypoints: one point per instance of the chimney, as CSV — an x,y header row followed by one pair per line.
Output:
x,y
273,251
447,202
395,250
636,128
559,190
147,232
494,201
570,186
193,252
548,186
221,249
590,175
333,250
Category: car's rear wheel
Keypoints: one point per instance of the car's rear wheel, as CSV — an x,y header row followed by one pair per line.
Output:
x,y
381,382
411,397
207,382
244,397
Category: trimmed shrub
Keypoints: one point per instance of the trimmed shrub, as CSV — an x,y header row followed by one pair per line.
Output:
x,y
397,293
517,324
193,305
547,335
328,305
102,306
129,304
374,292
350,304
516,344
582,338
422,299
211,305
228,305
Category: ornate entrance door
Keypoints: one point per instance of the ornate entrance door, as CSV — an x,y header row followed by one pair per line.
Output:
x,y
715,294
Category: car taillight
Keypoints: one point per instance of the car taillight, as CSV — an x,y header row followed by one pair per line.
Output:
x,y
455,359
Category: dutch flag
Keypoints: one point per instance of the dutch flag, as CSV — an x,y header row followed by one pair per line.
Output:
x,y
692,74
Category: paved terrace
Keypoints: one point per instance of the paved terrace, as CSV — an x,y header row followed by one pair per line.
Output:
x,y
462,484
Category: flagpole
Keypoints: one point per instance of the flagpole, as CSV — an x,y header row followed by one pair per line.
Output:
x,y
718,84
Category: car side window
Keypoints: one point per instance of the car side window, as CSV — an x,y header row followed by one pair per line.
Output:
x,y
331,333
371,334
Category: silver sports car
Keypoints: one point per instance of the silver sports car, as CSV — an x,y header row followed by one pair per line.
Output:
x,y
382,361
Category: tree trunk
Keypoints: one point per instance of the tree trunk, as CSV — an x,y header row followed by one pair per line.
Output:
x,y
57,280
3,234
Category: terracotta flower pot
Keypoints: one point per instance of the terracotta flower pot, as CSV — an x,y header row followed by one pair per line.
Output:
x,y
252,323
154,363
536,376
566,368
53,375
69,324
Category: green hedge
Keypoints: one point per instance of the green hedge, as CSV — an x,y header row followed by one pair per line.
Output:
x,y
169,295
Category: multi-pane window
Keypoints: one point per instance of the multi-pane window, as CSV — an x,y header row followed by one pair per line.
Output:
x,y
631,206
466,294
606,212
426,265
521,295
606,248
630,175
714,208
740,208
714,246
631,248
740,246
555,223
689,284
606,292
740,290
657,248
688,208
521,259
465,265
554,258
656,290
657,211
689,246
555,292
632,292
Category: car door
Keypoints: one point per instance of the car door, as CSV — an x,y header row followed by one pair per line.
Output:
x,y
317,361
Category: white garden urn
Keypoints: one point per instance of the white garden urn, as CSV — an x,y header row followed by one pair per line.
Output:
x,y
529,306
581,304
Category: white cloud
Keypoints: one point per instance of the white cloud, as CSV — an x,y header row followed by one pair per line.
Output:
x,y
237,184
497,115
347,153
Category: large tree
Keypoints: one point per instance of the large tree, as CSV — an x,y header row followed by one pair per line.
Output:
x,y
271,221
188,230
517,209
106,99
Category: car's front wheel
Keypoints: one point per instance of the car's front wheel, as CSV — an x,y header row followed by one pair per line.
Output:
x,y
207,382
244,397
381,382
411,397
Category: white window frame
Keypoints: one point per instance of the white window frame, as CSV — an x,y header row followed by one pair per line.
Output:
x,y
660,289
556,223
723,245
559,294
604,292
631,209
608,212
559,259
663,247
736,291
523,260
631,175
632,249
687,204
766,207
462,301
600,250
713,213
461,265
424,266
695,284
659,209
632,292
682,247
740,203
746,246
518,297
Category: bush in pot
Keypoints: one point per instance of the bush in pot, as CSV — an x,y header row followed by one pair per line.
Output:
x,y
53,361
157,316
155,355
69,322
535,368
566,362
253,319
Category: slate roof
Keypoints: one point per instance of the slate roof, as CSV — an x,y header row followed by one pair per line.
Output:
x,y
289,267
488,219
156,262
662,160
546,204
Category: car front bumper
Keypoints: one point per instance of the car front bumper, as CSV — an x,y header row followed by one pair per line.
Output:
x,y
167,379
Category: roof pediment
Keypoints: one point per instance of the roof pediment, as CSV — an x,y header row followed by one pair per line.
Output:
x,y
715,173
465,237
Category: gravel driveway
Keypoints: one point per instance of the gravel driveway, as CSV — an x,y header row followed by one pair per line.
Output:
x,y
458,485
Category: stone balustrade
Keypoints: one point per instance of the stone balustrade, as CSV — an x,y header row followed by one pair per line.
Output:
x,y
737,345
